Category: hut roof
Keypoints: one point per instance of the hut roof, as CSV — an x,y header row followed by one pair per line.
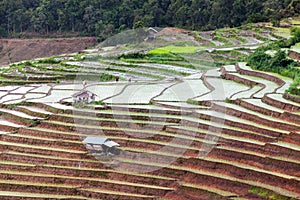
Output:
x,y
111,144
95,140
100,141
153,30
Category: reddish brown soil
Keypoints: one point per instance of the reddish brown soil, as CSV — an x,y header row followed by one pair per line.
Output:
x,y
172,31
14,50
294,55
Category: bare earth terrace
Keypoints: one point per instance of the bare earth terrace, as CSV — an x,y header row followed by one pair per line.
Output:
x,y
225,133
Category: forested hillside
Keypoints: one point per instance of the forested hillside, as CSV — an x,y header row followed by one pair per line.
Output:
x,y
102,17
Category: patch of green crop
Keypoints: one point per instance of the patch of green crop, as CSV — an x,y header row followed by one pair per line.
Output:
x,y
295,21
159,51
296,47
175,49
283,32
106,77
50,60
268,194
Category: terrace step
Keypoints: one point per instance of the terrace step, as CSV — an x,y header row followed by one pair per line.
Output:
x,y
37,196
117,116
145,109
81,123
257,105
54,107
221,90
130,144
243,113
18,117
177,131
281,81
248,93
45,142
185,117
293,138
86,173
266,85
40,159
183,106
290,97
232,121
13,146
278,101
187,120
242,68
85,183
119,133
228,69
7,126
51,134
219,180
35,111
67,190
197,191
185,134
215,164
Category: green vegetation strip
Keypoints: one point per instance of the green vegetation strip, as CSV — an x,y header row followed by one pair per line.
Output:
x,y
175,49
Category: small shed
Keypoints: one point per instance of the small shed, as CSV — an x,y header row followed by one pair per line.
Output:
x,y
83,96
151,33
101,145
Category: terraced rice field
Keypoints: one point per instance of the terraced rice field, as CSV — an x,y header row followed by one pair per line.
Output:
x,y
170,149
184,133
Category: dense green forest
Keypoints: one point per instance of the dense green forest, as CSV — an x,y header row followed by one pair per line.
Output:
x,y
102,18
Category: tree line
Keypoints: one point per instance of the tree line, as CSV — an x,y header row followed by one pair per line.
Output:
x,y
102,18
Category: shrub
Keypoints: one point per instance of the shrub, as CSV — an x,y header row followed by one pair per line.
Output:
x,y
49,61
293,89
106,77
134,55
279,63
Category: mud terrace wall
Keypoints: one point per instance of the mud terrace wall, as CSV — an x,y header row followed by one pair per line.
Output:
x,y
274,79
294,55
291,97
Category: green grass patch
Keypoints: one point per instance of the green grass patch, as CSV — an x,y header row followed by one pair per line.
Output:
x,y
296,47
295,22
283,32
175,49
50,60
268,194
